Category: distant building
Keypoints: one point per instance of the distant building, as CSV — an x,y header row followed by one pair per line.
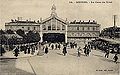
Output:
x,y
111,32
24,25
54,27
83,30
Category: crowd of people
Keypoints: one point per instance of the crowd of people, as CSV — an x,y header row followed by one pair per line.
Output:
x,y
26,48
31,48
86,49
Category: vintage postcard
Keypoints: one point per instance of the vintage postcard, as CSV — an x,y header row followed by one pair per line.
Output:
x,y
59,37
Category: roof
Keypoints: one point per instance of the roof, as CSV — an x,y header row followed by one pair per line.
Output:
x,y
22,21
13,35
83,22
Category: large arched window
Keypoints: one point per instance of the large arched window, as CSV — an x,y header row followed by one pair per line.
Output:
x,y
53,24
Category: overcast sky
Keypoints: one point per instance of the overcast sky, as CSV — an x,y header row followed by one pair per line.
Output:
x,y
35,9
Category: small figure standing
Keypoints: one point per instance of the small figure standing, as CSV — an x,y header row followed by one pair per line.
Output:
x,y
28,49
16,51
59,46
107,53
64,51
79,53
52,46
85,50
56,46
115,58
46,50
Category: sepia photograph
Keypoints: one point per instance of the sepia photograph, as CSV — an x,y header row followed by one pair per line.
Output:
x,y
59,37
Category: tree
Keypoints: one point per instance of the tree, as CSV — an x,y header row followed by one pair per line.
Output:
x,y
3,39
20,32
2,32
37,37
32,37
1,50
10,31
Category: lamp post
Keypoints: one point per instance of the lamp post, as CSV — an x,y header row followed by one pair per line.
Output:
x,y
40,52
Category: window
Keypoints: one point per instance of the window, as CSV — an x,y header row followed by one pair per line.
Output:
x,y
22,27
53,27
58,27
49,27
63,27
88,28
11,27
83,28
77,28
28,28
34,28
93,28
44,27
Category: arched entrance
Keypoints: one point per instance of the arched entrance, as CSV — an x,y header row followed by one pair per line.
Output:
x,y
54,37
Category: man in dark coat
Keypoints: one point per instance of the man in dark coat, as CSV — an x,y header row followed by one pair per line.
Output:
x,y
85,50
79,51
56,46
107,53
52,46
16,51
46,50
59,46
28,49
115,58
2,50
64,51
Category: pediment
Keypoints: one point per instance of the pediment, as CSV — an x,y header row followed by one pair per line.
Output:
x,y
53,17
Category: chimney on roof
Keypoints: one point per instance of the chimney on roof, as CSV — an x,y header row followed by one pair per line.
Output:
x,y
89,21
66,20
114,19
12,20
18,18
38,21
29,19
15,20
80,21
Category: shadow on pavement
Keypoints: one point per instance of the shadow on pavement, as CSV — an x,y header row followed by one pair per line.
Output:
x,y
7,67
60,54
75,54
97,55
108,60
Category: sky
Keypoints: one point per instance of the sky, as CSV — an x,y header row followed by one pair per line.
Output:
x,y
36,9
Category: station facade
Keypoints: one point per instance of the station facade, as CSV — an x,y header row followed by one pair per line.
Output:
x,y
55,28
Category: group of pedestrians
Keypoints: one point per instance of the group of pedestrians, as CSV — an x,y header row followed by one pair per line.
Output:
x,y
27,49
55,46
73,45
52,46
87,49
115,57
